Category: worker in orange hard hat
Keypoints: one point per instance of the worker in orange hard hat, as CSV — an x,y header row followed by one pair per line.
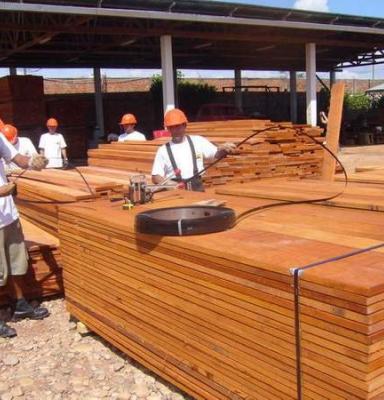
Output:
x,y
128,123
23,145
183,156
10,132
52,145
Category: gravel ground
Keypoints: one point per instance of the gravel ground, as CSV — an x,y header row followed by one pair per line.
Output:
x,y
49,359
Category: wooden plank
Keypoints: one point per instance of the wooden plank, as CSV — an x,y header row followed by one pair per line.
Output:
x,y
333,130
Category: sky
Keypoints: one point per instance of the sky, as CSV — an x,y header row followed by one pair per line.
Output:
x,y
368,8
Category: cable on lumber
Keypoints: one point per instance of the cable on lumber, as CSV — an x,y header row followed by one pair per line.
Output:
x,y
58,202
199,173
251,211
297,272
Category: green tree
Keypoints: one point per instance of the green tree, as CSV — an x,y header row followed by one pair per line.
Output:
x,y
190,95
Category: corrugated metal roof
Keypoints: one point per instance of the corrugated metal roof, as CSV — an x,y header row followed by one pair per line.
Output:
x,y
206,34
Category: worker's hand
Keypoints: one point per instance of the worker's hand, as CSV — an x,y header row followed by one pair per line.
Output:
x,y
8,189
7,170
38,162
229,148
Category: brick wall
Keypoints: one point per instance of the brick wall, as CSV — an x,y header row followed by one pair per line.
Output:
x,y
123,85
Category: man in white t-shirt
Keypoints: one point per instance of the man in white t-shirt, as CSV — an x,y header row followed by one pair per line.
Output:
x,y
183,157
128,123
23,145
13,252
52,146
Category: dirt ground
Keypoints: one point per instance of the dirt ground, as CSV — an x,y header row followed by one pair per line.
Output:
x,y
49,359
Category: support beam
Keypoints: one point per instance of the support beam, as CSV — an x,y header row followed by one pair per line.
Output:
x,y
238,92
176,83
310,60
98,104
332,78
12,71
293,95
167,73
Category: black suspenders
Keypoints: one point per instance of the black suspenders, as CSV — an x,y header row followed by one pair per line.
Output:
x,y
173,161
197,184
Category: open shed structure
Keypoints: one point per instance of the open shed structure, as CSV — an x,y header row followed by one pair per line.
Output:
x,y
185,34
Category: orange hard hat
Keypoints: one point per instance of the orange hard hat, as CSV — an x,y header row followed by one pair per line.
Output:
x,y
174,117
1,124
128,119
52,122
10,132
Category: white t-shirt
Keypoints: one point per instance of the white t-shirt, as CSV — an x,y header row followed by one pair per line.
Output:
x,y
182,154
135,135
8,210
25,147
52,143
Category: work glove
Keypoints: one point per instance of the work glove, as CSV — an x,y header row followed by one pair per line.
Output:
x,y
7,170
7,189
38,162
229,148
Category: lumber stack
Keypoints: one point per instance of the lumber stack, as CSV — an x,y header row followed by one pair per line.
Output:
x,y
132,156
356,195
213,314
44,276
281,151
35,189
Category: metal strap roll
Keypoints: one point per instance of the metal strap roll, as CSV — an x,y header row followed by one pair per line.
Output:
x,y
183,221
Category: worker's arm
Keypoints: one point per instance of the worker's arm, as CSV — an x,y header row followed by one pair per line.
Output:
x,y
36,162
157,179
7,189
64,153
21,161
159,171
42,144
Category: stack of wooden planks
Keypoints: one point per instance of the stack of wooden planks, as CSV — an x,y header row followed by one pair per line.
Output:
x,y
38,191
131,156
356,195
214,313
44,276
280,151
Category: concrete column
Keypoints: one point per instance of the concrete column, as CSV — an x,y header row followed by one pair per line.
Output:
x,y
12,71
332,78
167,72
238,91
310,59
98,104
293,95
176,83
